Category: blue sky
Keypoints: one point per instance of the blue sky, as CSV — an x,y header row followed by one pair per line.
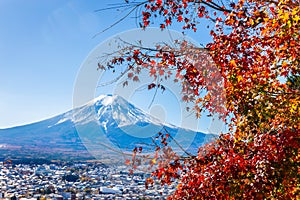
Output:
x,y
42,46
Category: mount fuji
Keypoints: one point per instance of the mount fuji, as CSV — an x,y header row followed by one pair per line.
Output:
x,y
105,128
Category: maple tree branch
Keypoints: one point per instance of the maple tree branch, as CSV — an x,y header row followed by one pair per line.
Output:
x,y
213,5
285,93
186,152
177,53
113,7
153,98
121,19
114,80
158,50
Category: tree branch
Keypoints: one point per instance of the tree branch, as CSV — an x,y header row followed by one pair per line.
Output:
x,y
121,19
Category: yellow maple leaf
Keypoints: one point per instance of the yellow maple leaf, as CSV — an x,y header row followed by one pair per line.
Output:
x,y
233,63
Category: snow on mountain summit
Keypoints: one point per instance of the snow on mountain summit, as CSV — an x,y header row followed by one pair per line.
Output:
x,y
104,99
112,110
121,111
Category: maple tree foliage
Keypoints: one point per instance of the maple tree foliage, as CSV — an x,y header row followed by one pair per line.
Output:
x,y
254,60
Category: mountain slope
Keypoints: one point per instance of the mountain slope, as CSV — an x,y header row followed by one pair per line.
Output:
x,y
106,126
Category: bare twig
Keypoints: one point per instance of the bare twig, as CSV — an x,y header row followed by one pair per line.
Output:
x,y
114,80
153,95
121,19
113,7
187,153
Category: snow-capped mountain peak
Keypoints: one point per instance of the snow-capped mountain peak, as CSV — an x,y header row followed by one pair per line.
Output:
x,y
112,110
105,100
